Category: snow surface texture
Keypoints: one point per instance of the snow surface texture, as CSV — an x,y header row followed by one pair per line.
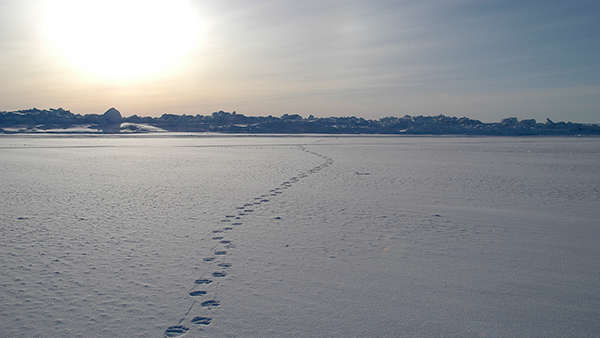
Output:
x,y
165,236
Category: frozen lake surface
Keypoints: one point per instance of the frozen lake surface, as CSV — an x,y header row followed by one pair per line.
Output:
x,y
316,236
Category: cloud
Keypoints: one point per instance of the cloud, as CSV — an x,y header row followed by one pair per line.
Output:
x,y
335,57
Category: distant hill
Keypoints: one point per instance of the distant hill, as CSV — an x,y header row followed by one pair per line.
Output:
x,y
63,121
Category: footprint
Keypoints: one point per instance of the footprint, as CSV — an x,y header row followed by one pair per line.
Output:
x,y
176,331
202,281
210,303
197,293
180,330
201,320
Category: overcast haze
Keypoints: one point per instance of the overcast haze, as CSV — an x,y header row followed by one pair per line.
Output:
x,y
485,60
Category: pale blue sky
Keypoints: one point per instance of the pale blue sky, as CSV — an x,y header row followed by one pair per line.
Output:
x,y
485,60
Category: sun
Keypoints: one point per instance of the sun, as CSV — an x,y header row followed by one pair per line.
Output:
x,y
122,39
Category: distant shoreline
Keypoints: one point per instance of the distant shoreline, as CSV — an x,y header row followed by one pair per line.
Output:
x,y
60,121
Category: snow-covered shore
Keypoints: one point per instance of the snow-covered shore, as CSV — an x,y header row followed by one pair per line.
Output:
x,y
60,121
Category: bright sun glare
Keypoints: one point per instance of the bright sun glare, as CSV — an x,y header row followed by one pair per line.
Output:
x,y
122,39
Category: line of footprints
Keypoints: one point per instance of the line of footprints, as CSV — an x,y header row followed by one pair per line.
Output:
x,y
206,286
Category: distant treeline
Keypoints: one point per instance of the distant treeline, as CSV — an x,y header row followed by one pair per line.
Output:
x,y
36,120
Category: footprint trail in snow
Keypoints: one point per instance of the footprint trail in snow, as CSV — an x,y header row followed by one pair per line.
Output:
x,y
203,291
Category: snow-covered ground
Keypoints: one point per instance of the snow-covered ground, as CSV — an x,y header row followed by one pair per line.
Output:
x,y
271,236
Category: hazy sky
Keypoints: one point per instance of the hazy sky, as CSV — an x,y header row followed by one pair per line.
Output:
x,y
483,59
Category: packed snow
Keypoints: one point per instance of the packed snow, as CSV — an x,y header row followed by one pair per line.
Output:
x,y
204,235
